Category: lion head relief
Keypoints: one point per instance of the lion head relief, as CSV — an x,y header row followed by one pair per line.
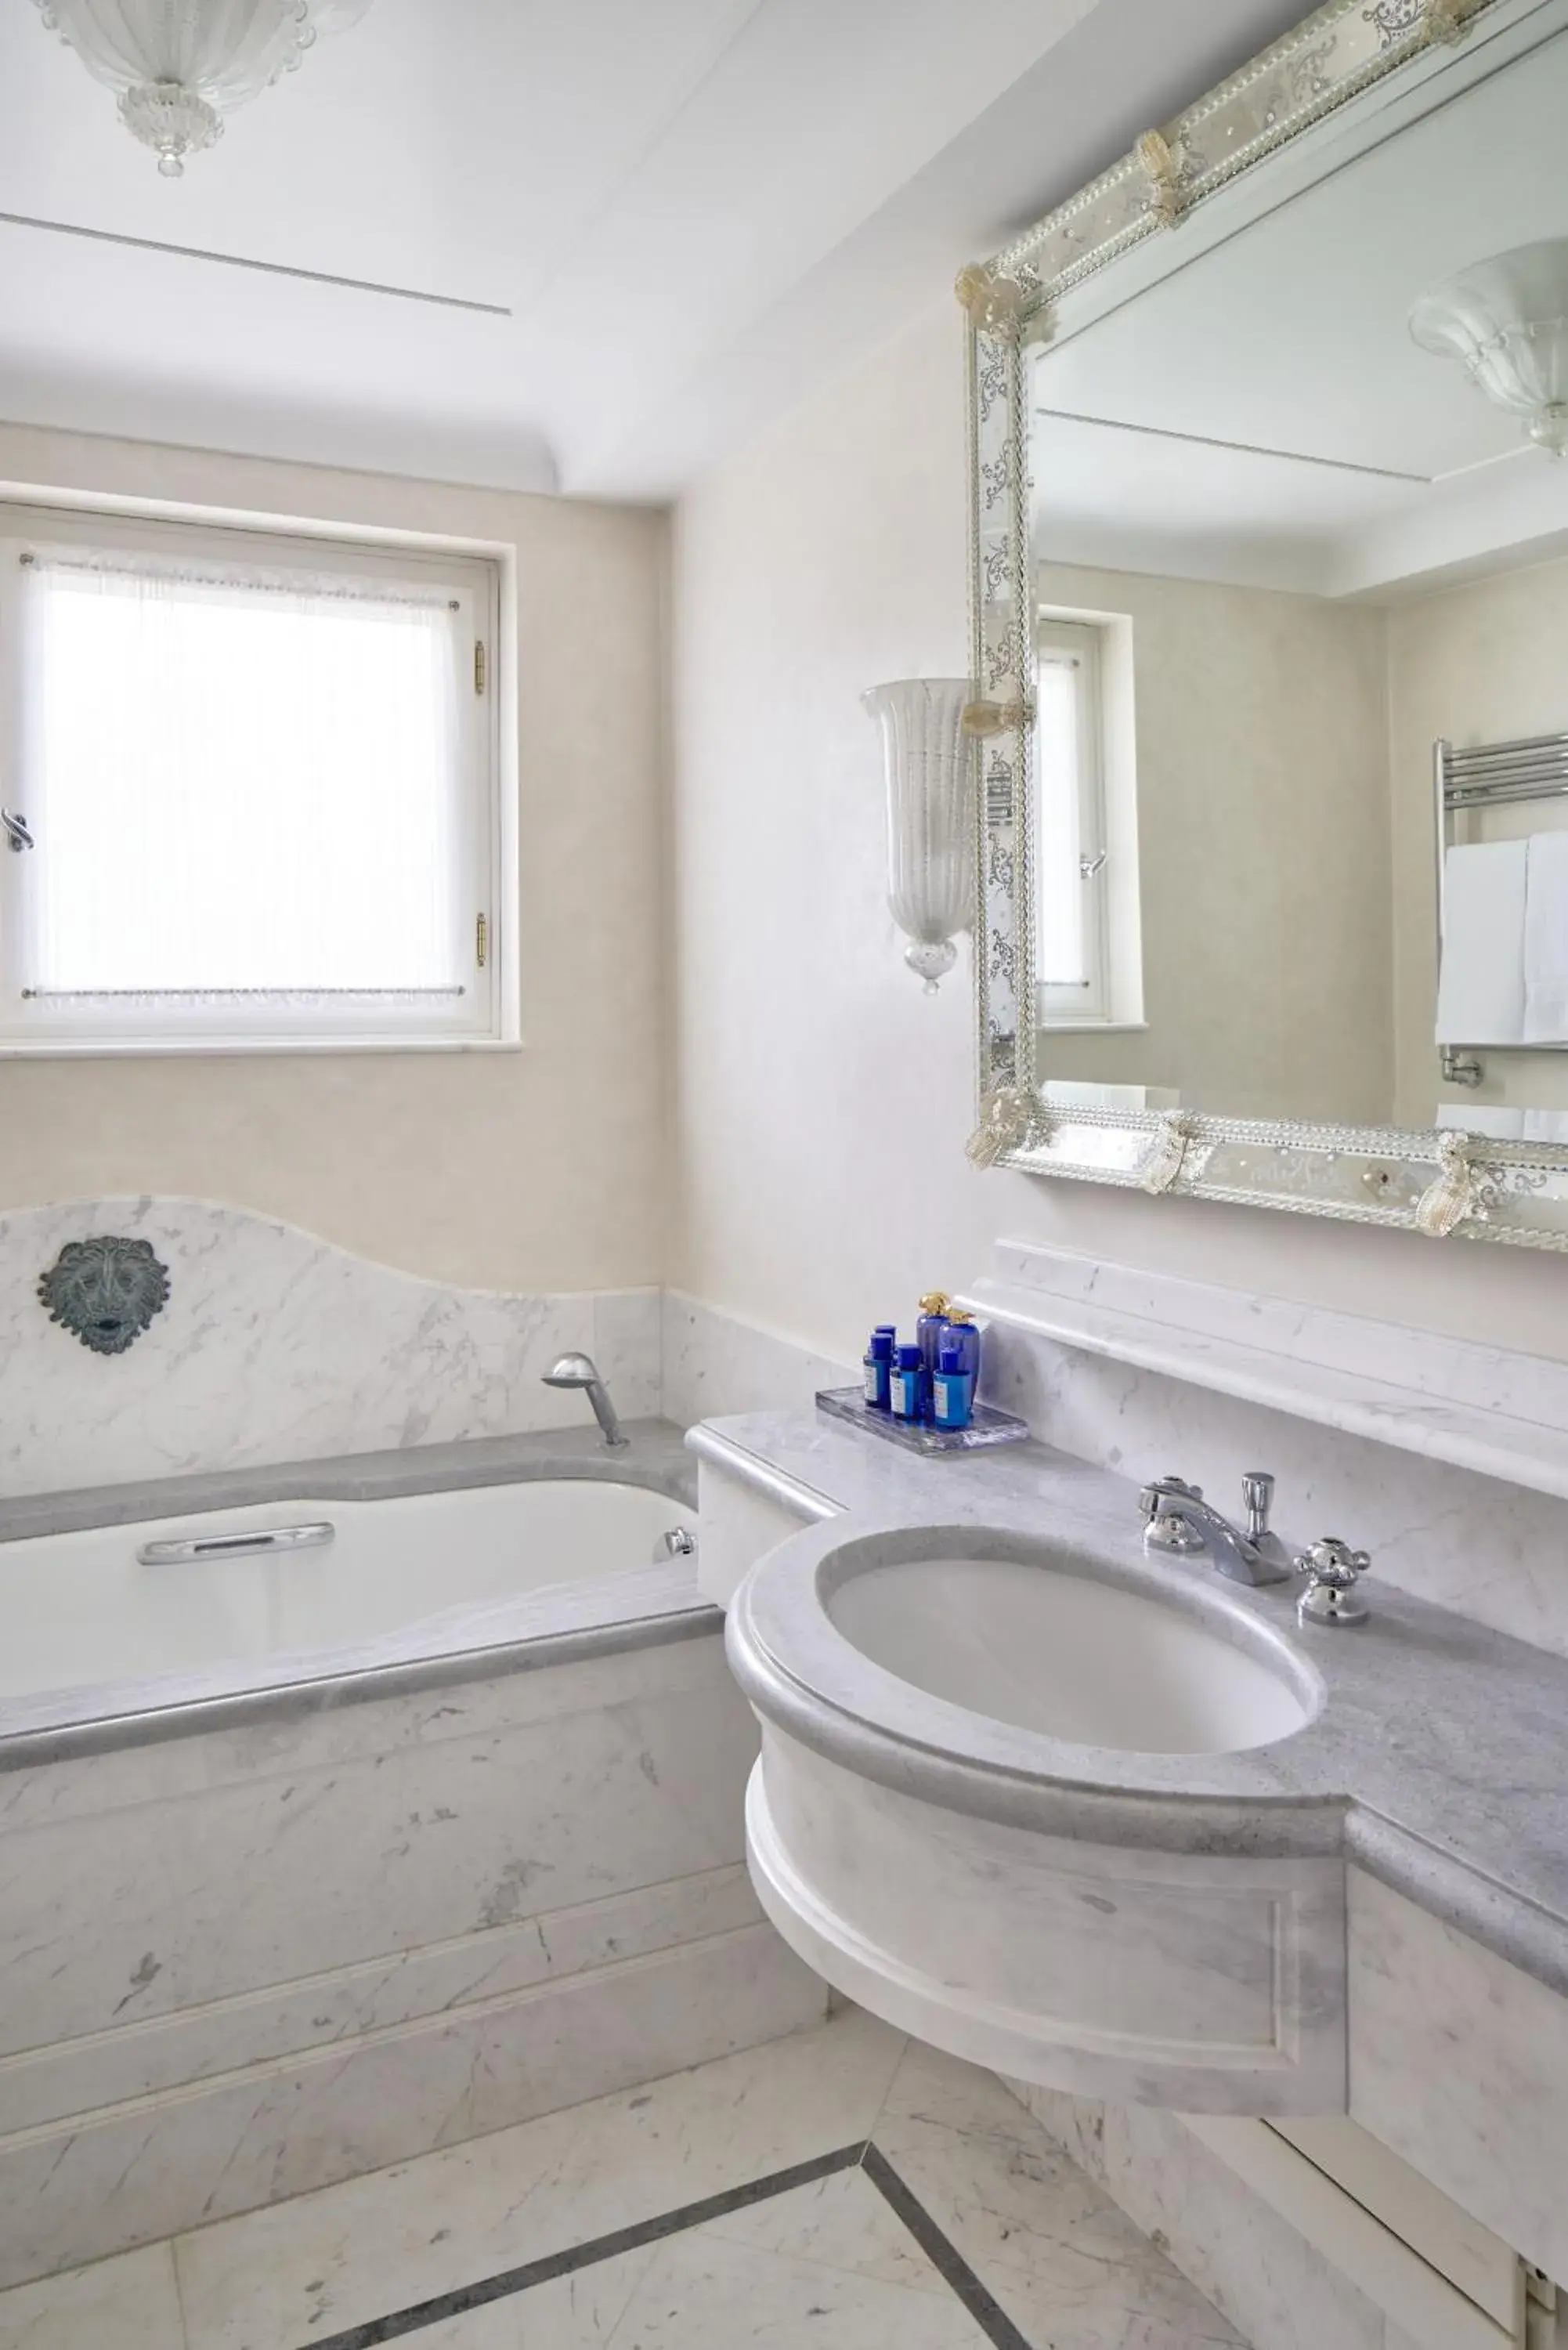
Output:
x,y
105,1291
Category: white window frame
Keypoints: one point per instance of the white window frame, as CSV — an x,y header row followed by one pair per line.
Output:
x,y
486,1017
1079,644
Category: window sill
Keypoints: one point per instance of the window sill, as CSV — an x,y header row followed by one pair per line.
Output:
x,y
106,1048
1092,1027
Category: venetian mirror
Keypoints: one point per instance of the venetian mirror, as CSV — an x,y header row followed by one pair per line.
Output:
x,y
1270,597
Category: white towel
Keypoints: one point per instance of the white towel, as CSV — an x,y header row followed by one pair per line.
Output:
x,y
1546,1126
1480,988
1477,1117
1546,941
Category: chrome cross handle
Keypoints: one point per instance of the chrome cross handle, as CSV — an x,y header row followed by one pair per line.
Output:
x,y
1334,1570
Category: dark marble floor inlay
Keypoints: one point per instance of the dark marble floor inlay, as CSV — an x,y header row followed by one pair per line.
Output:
x,y
949,2264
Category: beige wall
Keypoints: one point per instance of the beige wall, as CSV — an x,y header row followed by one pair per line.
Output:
x,y
820,1099
1478,663
536,1169
1263,820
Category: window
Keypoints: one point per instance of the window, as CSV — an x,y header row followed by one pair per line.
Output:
x,y
1072,850
250,792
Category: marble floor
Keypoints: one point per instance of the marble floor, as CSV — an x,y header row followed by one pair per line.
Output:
x,y
843,2189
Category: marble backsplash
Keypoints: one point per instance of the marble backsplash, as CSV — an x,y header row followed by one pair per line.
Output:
x,y
1495,1551
714,1365
274,1345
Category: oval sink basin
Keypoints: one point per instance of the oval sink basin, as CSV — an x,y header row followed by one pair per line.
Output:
x,y
1005,1800
1074,1656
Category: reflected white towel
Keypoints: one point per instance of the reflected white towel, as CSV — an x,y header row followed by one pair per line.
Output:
x,y
1546,941
1480,990
1475,1117
1546,1126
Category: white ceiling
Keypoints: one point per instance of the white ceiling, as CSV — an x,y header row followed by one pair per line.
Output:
x,y
1293,434
673,217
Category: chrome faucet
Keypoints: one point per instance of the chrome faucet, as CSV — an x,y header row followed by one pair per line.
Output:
x,y
1181,1520
582,1371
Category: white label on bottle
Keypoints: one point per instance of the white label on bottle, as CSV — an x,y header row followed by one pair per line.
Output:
x,y
870,1383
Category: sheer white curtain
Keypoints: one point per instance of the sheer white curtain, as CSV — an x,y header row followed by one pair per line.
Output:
x,y
241,782
1060,959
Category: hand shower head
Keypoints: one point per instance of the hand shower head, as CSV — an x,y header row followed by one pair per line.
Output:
x,y
581,1372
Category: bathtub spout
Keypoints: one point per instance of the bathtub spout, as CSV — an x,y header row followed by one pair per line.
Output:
x,y
580,1371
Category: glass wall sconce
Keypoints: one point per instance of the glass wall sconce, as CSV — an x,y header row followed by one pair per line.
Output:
x,y
930,762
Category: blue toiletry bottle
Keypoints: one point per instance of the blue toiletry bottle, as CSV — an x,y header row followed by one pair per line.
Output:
x,y
932,1323
963,1334
952,1391
909,1384
879,1368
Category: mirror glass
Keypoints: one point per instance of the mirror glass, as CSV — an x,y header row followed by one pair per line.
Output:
x,y
1298,524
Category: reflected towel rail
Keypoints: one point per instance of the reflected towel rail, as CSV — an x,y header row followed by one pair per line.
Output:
x,y
236,1545
1485,775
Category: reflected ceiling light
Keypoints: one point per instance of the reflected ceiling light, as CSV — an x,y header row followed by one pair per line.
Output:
x,y
1507,319
177,67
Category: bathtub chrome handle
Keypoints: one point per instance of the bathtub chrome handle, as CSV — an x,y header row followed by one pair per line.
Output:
x,y
265,1538
679,1542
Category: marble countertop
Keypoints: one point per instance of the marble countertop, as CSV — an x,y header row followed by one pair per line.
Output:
x,y
1438,1759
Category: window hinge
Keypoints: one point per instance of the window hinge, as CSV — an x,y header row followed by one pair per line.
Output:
x,y
1541,2300
481,940
479,664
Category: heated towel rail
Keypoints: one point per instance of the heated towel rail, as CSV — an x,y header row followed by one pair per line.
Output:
x,y
1489,775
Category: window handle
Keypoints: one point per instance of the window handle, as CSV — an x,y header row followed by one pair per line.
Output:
x,y
16,832
1089,866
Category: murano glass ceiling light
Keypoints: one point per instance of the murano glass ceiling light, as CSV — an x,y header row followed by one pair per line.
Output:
x,y
1507,320
177,67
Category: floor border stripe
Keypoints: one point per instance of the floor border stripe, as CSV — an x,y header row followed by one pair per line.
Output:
x,y
944,2257
458,2303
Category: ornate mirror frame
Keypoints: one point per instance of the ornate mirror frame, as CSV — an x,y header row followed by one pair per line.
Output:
x,y
1435,1183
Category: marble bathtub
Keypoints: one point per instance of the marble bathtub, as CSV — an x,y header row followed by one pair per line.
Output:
x,y
314,1881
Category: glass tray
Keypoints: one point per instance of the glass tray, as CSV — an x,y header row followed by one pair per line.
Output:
x,y
989,1425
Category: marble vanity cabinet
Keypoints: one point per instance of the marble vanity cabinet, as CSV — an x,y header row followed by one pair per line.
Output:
x,y
1438,2015
1460,2063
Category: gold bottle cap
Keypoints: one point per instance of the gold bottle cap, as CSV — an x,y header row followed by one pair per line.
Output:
x,y
935,1301
960,1314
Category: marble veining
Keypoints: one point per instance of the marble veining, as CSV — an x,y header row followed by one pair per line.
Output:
x,y
598,1616
1435,1759
1447,1460
237,1964
275,1346
1276,2288
884,2244
713,1363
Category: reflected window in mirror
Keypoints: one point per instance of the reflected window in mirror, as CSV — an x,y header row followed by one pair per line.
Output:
x,y
1088,953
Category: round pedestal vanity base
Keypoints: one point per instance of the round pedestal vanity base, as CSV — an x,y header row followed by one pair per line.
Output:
x,y
1213,1984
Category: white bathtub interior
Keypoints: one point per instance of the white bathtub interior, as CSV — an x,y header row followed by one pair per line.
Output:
x,y
82,1608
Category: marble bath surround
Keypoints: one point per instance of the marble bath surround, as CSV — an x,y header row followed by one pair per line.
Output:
x,y
277,1345
270,1926
478,1641
280,1951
